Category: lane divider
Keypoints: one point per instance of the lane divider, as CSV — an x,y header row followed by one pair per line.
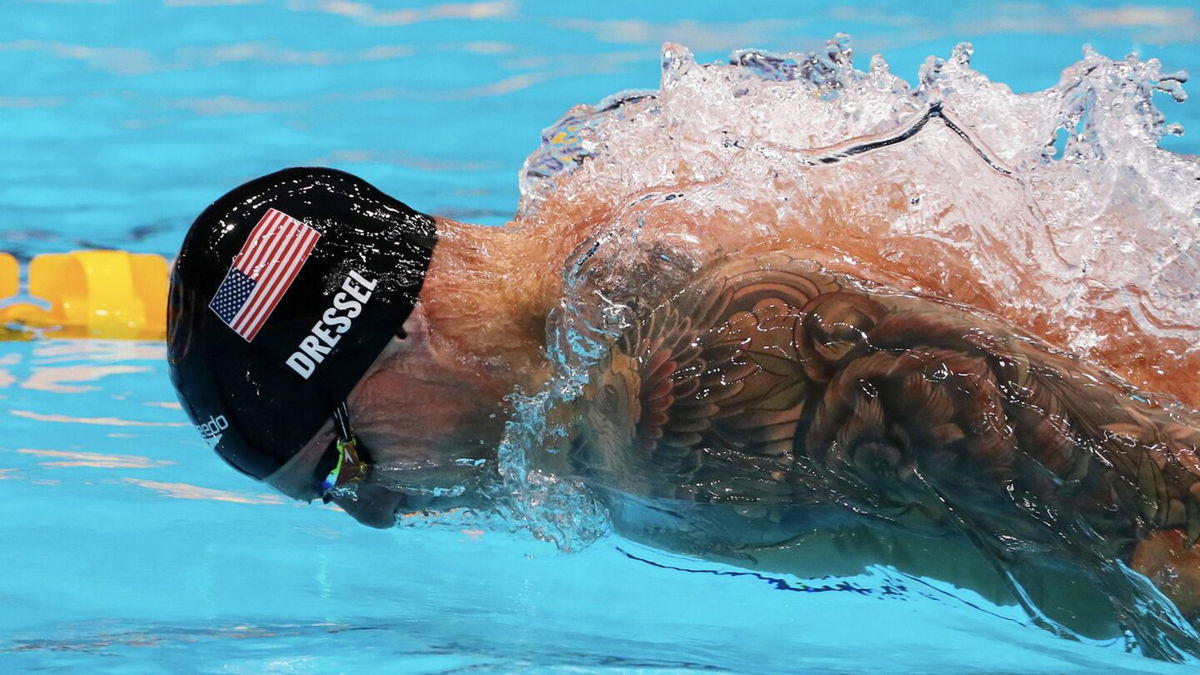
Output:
x,y
86,294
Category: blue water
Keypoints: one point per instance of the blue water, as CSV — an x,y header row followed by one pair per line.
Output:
x,y
129,546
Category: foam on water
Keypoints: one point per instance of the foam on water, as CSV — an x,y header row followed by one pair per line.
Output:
x,y
1054,209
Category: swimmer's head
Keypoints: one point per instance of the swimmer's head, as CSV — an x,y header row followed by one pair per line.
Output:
x,y
285,291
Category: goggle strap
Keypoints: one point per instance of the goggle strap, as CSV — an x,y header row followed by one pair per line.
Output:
x,y
341,417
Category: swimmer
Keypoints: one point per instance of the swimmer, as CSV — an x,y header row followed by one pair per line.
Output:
x,y
338,345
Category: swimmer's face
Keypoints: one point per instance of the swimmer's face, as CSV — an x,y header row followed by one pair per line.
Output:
x,y
423,418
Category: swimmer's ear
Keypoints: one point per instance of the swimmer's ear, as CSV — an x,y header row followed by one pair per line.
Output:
x,y
400,330
414,333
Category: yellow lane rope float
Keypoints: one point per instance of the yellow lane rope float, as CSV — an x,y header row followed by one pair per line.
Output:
x,y
85,294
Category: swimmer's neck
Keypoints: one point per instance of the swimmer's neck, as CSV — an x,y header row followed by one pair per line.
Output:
x,y
488,292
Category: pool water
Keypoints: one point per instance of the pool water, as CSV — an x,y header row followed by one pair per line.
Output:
x,y
129,546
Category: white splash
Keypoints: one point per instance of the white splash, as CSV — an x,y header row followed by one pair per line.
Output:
x,y
1056,209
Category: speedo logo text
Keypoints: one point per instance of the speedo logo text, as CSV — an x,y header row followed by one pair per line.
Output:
x,y
211,430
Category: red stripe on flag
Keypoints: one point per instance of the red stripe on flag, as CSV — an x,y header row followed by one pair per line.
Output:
x,y
273,259
253,248
306,243
261,262
266,247
282,255
272,295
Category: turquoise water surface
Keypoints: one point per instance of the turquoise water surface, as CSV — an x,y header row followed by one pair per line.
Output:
x,y
129,546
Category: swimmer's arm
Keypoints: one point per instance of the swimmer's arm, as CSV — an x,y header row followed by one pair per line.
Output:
x,y
772,382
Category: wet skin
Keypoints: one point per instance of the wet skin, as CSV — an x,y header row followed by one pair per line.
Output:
x,y
773,386
806,388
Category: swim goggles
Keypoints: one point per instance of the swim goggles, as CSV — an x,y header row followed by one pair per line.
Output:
x,y
340,466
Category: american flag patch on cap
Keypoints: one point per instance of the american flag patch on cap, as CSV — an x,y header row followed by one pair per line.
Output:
x,y
262,272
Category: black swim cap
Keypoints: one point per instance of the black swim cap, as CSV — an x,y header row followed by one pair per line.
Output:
x,y
285,291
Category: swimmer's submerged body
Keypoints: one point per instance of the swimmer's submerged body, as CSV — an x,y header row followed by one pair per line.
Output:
x,y
760,396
